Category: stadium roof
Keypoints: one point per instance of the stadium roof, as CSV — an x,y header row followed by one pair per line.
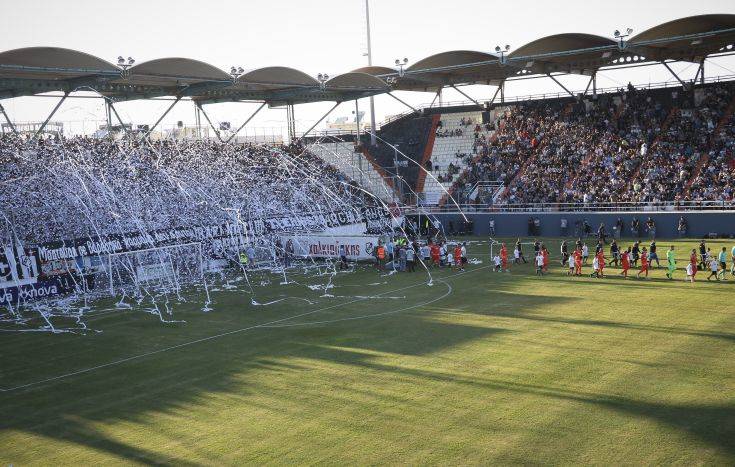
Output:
x,y
37,70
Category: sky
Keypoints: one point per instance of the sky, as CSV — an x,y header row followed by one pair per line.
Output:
x,y
322,36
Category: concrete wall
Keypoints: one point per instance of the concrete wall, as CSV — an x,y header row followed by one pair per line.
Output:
x,y
516,224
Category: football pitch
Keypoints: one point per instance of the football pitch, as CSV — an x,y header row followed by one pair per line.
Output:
x,y
481,367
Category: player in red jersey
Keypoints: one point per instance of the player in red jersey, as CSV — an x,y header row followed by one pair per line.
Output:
x,y
692,267
644,263
601,263
458,257
578,262
504,257
625,262
545,254
435,254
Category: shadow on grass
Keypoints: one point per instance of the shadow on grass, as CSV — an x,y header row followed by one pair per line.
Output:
x,y
171,382
521,314
711,423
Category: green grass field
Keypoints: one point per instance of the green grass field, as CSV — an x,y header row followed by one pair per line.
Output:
x,y
480,368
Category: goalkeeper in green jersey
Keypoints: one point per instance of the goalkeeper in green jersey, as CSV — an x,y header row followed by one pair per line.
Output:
x,y
671,258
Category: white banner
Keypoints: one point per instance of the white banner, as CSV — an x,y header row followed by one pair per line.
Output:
x,y
356,247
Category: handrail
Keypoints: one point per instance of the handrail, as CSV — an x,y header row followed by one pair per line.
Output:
x,y
555,95
668,206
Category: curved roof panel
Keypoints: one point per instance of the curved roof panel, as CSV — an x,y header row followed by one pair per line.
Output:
x,y
459,67
669,40
376,70
688,25
275,77
176,71
562,43
356,81
569,52
52,63
452,58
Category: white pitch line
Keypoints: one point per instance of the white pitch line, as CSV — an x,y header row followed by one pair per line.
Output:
x,y
352,318
209,338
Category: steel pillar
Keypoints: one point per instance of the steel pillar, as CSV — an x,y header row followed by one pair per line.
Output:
x,y
502,92
150,130
112,108
589,83
496,93
246,122
108,116
291,122
594,84
373,139
12,127
66,94
701,74
198,121
357,123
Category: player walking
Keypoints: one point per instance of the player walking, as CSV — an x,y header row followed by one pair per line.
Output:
x,y
504,257
644,263
625,262
722,257
692,266
671,259
578,261
714,266
458,257
539,263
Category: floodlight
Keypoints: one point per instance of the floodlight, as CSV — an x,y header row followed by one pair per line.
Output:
x,y
617,33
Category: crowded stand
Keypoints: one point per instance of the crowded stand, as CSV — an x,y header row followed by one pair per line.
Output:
x,y
84,187
644,146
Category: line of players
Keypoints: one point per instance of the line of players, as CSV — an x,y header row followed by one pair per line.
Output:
x,y
626,259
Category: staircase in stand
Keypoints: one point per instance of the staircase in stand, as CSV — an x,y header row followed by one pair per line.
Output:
x,y
427,153
664,128
705,156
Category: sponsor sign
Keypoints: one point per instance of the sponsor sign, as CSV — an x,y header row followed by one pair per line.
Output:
x,y
355,247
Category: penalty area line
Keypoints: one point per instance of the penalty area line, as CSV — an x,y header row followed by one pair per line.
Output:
x,y
217,336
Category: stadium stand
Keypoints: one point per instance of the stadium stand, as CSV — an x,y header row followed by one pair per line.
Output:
x,y
131,186
355,166
635,145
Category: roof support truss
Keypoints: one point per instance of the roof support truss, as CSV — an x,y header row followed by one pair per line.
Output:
x,y
246,122
320,120
560,85
178,98
402,102
40,129
496,92
465,95
592,78
112,108
216,131
675,75
12,127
